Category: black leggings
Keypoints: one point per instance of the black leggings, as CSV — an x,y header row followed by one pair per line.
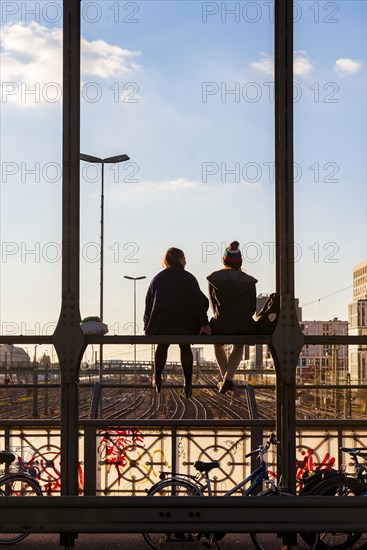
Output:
x,y
160,359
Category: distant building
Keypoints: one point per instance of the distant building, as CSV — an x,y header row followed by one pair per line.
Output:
x,y
198,354
324,363
360,281
11,355
327,363
357,314
358,354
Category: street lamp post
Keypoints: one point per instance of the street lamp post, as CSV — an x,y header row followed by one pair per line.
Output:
x,y
46,364
134,279
109,160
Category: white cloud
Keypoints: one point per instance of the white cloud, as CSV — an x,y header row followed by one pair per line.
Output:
x,y
346,66
105,60
32,58
179,183
265,65
182,189
301,64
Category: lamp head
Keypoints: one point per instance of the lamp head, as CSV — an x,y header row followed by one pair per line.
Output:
x,y
108,160
90,158
117,158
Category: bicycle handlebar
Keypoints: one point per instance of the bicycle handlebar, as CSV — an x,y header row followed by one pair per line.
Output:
x,y
256,451
273,439
262,449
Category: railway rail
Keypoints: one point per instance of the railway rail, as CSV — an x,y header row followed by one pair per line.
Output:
x,y
20,401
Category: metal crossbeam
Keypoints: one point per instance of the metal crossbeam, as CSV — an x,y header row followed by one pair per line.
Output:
x,y
323,424
252,340
222,514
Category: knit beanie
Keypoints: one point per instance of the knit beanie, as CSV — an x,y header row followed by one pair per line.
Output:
x,y
232,256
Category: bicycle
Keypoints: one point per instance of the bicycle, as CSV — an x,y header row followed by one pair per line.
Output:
x,y
345,485
176,484
16,484
360,471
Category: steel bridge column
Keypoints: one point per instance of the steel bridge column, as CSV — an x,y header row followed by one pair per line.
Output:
x,y
288,338
68,338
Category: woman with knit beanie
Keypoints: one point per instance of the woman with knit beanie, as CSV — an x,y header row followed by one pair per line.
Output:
x,y
174,304
232,296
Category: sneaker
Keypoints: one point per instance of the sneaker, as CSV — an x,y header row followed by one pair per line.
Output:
x,y
226,386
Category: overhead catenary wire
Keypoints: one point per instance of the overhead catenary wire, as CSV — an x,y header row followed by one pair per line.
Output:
x,y
327,296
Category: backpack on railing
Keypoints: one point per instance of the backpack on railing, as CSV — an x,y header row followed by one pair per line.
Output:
x,y
93,326
267,317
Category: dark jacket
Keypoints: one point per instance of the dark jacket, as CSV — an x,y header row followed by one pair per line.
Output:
x,y
233,301
174,303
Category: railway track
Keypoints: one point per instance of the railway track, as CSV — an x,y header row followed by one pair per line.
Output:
x,y
19,402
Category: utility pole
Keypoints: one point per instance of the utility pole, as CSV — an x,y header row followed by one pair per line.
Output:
x,y
335,362
134,279
35,384
349,398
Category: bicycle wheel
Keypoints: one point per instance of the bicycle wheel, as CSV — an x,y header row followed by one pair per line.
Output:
x,y
17,485
272,541
308,484
170,488
341,486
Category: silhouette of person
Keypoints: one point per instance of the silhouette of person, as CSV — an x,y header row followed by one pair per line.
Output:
x,y
174,304
232,295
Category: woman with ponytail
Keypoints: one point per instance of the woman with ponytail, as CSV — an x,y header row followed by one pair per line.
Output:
x,y
174,304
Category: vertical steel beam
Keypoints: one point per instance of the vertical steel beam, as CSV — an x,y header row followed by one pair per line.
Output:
x,y
283,33
68,338
90,460
287,339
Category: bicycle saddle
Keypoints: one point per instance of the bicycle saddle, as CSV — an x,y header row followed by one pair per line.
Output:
x,y
205,466
6,456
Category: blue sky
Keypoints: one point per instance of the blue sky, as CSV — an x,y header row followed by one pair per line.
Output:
x,y
185,89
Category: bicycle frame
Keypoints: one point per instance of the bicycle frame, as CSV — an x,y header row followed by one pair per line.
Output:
x,y
256,477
